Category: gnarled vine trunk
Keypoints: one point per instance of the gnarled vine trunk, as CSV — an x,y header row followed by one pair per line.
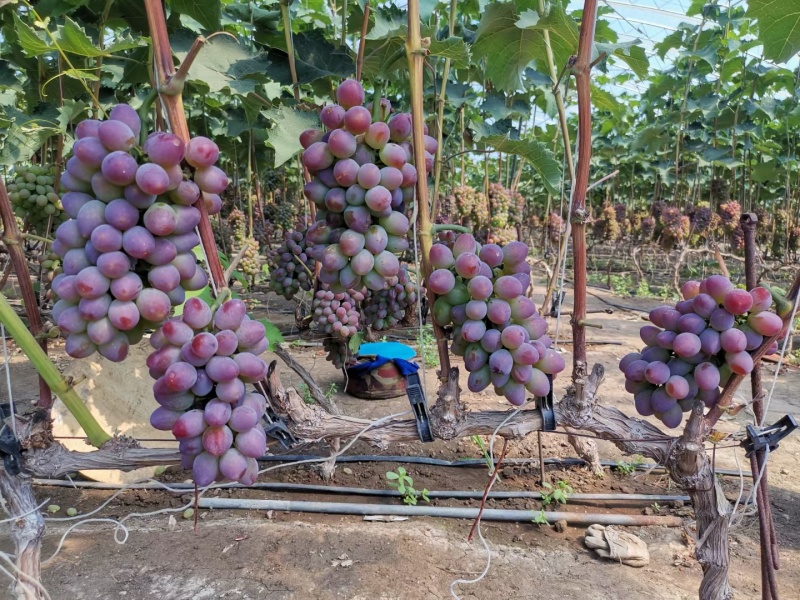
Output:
x,y
27,530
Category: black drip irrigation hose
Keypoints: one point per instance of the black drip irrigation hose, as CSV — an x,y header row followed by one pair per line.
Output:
x,y
475,462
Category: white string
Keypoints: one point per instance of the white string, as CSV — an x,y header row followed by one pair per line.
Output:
x,y
8,382
23,515
485,544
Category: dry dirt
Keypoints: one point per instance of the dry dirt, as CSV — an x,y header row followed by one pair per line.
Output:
x,y
250,554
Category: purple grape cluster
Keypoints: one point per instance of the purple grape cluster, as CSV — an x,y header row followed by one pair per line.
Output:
x,y
362,182
201,363
386,308
290,266
337,313
504,342
693,348
127,248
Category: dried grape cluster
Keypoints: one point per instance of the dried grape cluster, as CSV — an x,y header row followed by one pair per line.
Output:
x,y
555,227
481,291
730,212
362,182
386,308
693,348
291,268
201,363
34,198
127,248
674,226
607,227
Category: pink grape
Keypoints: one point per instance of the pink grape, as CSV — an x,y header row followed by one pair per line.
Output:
x,y
377,135
673,416
733,340
721,320
551,362
165,148
91,283
704,305
677,387
151,179
501,361
762,298
513,337
648,334
87,128
740,363
106,238
201,152
119,168
154,305
765,323
126,114
216,440
491,340
252,443
441,281
189,424
753,339
211,179
499,311
642,402
686,344
657,373
538,384
737,302
196,313
163,419
123,315
628,359
400,127
666,339
710,341
473,331
126,287
342,143
138,242
116,135
332,116
691,323
717,287
250,334
690,289
468,265
393,155
707,376
479,379
134,194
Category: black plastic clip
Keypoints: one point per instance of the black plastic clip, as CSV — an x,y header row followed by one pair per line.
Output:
x,y
545,405
278,430
769,436
557,301
419,406
9,444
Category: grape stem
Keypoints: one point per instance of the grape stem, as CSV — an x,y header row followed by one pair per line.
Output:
x,y
416,58
235,261
176,117
47,370
222,296
32,237
437,227
143,111
362,42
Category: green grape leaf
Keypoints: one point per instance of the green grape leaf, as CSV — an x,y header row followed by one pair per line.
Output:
x,y
453,48
631,53
563,31
72,39
778,27
318,58
274,335
30,42
354,343
536,153
767,171
222,63
506,48
205,12
283,138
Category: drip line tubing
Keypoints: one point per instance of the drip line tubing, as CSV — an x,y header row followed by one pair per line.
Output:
x,y
489,514
356,491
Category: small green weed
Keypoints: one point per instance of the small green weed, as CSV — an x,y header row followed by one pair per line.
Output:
x,y
405,485
305,393
556,494
628,468
478,441
540,518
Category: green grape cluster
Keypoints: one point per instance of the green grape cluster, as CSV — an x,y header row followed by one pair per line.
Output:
x,y
250,263
34,199
471,205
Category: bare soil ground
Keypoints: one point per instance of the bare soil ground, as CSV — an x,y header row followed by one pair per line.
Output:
x,y
251,554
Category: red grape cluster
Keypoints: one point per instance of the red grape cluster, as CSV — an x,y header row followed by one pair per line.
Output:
x,y
496,329
693,348
127,247
201,363
386,308
363,179
290,266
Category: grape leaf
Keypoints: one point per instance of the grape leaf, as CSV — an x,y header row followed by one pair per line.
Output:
x,y
506,48
284,136
778,27
30,42
536,153
563,32
631,53
222,63
205,12
453,48
318,58
72,39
